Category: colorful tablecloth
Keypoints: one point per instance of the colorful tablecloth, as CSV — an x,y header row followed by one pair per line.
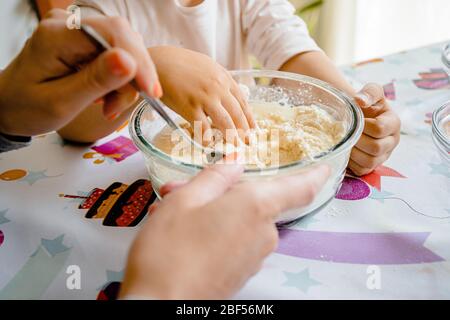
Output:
x,y
387,235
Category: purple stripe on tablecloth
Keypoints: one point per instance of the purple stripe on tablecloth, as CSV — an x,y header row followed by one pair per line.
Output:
x,y
357,248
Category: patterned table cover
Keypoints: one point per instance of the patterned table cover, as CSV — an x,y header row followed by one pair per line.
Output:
x,y
386,236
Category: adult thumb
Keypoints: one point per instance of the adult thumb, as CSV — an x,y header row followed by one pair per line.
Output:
x,y
109,71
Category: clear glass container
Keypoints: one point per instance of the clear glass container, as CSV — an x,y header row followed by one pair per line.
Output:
x,y
441,131
266,86
446,57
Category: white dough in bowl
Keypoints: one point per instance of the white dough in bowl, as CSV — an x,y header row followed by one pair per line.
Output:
x,y
285,134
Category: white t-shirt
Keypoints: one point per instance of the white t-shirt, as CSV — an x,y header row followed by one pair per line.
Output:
x,y
226,30
17,23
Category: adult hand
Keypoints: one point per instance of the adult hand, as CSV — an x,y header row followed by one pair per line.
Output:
x,y
381,131
209,236
42,89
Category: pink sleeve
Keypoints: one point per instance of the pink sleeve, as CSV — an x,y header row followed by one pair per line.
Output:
x,y
274,34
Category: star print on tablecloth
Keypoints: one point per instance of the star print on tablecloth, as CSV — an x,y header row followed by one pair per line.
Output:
x,y
434,79
374,178
111,277
380,195
440,169
300,280
114,276
3,218
54,246
389,91
34,176
38,272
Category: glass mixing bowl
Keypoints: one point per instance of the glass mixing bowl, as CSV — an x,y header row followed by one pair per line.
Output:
x,y
446,57
265,86
441,131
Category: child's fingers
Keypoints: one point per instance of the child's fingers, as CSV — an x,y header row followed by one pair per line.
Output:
x,y
358,170
377,147
248,112
234,109
371,100
222,121
366,160
231,104
375,110
386,124
369,95
205,126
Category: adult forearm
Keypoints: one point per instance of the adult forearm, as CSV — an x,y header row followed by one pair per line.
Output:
x,y
7,142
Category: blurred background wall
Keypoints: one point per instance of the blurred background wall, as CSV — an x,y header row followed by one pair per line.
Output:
x,y
17,22
355,30
348,30
386,26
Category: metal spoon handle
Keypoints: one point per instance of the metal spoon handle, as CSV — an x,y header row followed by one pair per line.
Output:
x,y
157,106
160,110
95,37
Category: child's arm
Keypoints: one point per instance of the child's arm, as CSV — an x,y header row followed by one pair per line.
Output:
x,y
316,64
382,126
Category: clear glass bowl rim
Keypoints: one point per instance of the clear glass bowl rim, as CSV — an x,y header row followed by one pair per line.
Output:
x,y
348,141
445,55
442,138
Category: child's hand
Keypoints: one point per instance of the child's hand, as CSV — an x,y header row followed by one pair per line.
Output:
x,y
196,87
381,131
